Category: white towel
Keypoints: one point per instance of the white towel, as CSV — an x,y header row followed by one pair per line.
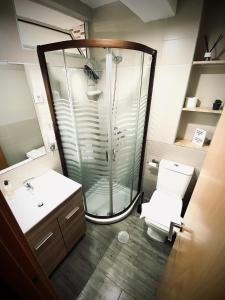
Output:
x,y
35,153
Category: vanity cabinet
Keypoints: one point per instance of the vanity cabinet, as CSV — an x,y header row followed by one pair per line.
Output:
x,y
72,221
55,235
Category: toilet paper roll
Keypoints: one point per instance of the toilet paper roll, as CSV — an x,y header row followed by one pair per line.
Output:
x,y
153,165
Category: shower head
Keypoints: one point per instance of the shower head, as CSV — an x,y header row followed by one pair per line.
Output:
x,y
116,58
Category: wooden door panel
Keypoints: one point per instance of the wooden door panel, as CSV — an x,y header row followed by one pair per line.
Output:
x,y
3,162
47,243
19,267
196,266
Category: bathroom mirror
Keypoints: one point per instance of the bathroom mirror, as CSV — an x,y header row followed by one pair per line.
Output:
x,y
20,134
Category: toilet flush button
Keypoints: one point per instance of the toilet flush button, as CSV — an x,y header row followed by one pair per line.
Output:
x,y
176,165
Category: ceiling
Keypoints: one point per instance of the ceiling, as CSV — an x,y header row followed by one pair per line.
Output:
x,y
34,11
97,3
146,10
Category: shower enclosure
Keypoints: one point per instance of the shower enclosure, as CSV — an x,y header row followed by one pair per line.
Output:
x,y
100,105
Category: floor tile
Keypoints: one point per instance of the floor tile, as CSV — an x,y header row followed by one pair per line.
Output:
x,y
125,296
100,267
100,287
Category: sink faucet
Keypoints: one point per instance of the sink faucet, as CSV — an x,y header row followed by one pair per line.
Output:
x,y
27,183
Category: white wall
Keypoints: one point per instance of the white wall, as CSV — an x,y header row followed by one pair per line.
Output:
x,y
213,23
19,128
11,50
16,99
175,40
206,82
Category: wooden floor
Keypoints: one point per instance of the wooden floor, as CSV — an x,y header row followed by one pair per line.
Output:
x,y
100,267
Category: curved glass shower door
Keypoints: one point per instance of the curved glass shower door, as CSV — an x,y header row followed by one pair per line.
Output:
x,y
83,125
99,104
127,69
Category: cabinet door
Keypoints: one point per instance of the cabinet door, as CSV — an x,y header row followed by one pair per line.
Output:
x,y
72,220
47,243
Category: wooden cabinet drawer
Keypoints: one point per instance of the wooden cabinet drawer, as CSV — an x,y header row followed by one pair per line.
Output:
x,y
72,220
47,243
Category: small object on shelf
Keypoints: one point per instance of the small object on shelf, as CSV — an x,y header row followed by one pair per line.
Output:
x,y
191,102
208,53
217,104
199,136
93,95
207,142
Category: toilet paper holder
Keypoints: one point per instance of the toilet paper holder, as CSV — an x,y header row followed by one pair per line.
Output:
x,y
153,163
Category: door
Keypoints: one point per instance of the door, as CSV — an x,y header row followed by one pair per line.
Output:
x,y
3,162
196,266
126,95
83,122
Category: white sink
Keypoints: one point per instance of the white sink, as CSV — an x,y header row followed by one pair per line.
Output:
x,y
49,191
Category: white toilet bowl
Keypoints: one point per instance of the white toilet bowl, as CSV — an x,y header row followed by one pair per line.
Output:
x,y
166,202
159,212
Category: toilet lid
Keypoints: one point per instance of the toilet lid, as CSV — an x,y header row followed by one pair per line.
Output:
x,y
163,209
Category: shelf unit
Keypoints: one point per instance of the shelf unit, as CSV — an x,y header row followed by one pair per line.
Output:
x,y
206,82
189,144
203,110
209,62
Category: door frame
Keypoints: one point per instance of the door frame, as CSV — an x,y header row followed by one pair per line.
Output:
x,y
20,270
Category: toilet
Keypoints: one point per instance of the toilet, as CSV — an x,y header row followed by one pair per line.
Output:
x,y
165,204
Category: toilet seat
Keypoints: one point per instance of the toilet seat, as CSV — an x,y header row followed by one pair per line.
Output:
x,y
162,210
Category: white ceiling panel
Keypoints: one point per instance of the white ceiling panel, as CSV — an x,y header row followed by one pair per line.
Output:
x,y
146,10
97,3
152,10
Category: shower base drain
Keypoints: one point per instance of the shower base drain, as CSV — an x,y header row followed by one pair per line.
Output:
x,y
123,237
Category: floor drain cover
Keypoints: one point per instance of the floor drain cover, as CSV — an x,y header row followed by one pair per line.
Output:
x,y
123,237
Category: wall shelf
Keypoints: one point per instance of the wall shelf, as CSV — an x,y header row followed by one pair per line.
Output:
x,y
203,110
189,144
210,62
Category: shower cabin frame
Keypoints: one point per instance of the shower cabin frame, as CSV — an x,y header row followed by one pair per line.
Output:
x,y
98,43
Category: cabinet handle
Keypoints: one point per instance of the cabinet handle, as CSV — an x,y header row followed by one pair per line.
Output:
x,y
70,214
38,246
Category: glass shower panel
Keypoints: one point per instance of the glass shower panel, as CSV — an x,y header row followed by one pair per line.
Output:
x,y
64,113
99,104
127,67
147,60
89,98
